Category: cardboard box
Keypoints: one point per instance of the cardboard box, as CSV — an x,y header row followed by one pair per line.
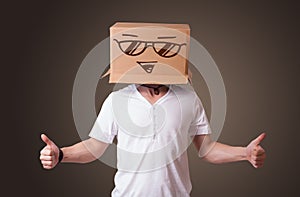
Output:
x,y
149,53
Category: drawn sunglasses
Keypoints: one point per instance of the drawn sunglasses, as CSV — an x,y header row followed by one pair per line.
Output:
x,y
137,47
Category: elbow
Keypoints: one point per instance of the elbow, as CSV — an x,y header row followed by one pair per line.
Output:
x,y
211,159
208,159
86,159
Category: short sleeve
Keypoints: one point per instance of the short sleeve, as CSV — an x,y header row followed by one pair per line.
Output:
x,y
200,124
105,128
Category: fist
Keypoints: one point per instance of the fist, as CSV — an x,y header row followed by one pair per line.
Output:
x,y
255,153
49,154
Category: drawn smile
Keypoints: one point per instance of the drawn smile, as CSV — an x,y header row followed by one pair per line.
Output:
x,y
147,65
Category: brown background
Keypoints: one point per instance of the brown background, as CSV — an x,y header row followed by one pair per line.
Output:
x,y
255,45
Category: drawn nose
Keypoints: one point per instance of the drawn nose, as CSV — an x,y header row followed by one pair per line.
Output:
x,y
148,66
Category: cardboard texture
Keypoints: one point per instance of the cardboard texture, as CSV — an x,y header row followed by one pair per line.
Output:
x,y
149,53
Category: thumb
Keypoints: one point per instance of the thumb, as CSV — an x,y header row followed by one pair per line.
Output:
x,y
259,139
46,140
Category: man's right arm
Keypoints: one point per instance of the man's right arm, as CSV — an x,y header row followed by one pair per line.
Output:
x,y
82,152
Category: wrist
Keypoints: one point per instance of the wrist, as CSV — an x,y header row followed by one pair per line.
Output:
x,y
244,153
248,153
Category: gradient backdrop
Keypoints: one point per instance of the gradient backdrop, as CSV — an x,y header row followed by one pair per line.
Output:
x,y
255,45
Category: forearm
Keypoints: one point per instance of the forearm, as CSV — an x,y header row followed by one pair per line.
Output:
x,y
83,152
222,153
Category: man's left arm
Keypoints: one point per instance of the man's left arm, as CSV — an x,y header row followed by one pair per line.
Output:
x,y
215,152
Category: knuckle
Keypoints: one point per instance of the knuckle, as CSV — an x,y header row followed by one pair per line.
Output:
x,y
45,152
46,162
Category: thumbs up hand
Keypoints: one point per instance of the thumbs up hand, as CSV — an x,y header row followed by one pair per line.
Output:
x,y
255,153
49,154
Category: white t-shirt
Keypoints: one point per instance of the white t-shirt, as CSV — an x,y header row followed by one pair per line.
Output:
x,y
151,139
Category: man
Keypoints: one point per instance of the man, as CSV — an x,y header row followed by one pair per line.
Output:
x,y
171,179
153,123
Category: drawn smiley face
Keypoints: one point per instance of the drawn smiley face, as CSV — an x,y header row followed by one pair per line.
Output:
x,y
149,52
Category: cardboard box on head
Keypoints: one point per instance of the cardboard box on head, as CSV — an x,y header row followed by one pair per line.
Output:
x,y
149,53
